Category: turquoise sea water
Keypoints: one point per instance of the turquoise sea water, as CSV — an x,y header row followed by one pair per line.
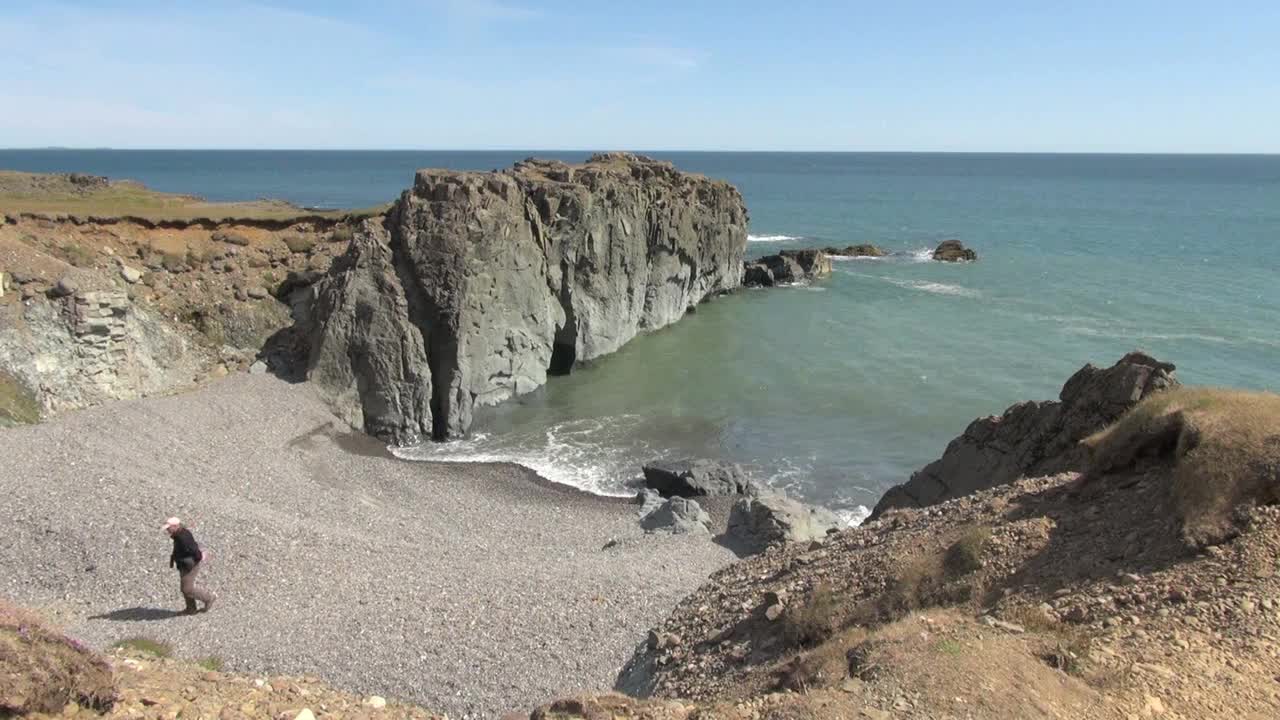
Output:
x,y
839,389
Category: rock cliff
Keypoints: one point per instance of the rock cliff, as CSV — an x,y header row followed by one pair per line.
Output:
x,y
1033,438
480,285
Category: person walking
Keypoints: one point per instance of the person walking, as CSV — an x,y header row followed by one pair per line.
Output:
x,y
187,557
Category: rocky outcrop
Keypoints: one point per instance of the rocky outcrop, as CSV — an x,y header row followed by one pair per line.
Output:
x,y
697,478
678,516
480,285
757,522
89,347
1033,438
787,267
856,251
954,251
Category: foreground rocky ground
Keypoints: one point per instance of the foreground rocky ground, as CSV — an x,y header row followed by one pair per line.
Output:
x,y
470,589
1147,585
44,673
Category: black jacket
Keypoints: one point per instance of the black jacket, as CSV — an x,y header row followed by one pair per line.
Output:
x,y
186,553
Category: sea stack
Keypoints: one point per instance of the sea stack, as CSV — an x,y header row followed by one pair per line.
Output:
x,y
480,285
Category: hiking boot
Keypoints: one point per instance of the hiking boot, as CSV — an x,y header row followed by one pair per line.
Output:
x,y
191,607
208,604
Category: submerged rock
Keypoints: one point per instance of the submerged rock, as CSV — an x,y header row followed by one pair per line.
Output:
x,y
480,285
856,251
954,251
788,266
697,478
1033,438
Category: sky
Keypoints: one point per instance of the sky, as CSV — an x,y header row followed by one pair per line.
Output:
x,y
981,75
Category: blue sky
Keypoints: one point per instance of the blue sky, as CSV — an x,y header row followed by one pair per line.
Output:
x,y
1082,76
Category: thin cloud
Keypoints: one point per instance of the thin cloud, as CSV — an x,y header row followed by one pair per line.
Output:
x,y
487,10
660,56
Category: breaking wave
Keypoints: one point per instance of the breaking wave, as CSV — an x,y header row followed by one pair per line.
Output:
x,y
772,238
936,288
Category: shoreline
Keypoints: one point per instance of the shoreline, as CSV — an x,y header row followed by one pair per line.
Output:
x,y
321,554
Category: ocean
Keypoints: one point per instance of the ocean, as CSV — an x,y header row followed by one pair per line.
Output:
x,y
839,389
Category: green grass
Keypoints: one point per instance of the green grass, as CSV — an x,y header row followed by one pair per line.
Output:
x,y
212,663
17,405
950,647
53,194
145,645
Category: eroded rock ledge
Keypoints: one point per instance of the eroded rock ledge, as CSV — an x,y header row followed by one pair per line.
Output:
x,y
480,285
1032,439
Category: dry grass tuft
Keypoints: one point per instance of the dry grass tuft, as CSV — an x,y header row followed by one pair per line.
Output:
x,y
1223,446
299,244
813,621
965,554
342,234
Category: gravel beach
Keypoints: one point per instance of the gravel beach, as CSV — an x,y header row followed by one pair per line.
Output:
x,y
470,589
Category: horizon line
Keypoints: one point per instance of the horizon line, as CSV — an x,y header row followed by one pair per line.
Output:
x,y
60,148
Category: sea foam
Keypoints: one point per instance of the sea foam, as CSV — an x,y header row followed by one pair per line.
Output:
x,y
772,238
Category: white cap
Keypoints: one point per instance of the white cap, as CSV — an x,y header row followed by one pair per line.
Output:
x,y
172,522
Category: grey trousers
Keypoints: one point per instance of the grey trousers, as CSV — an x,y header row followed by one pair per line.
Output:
x,y
189,589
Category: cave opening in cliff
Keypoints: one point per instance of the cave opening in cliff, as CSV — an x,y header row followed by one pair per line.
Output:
x,y
563,355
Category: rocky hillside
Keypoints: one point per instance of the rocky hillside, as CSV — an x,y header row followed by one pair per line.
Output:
x,y
155,293
1146,586
1034,438
480,285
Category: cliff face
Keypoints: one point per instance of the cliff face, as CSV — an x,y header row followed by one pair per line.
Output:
x,y
1033,438
480,285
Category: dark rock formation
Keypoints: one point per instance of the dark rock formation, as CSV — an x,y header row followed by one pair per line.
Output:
x,y
954,251
697,478
757,522
788,266
1033,438
856,251
480,285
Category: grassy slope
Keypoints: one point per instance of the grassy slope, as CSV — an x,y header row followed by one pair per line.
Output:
x,y
55,195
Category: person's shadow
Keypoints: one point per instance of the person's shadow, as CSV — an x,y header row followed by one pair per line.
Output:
x,y
137,614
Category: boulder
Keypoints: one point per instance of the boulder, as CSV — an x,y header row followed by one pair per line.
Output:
x,y
757,522
64,287
954,251
297,281
697,478
757,275
857,251
788,266
1033,438
257,292
230,237
677,516
479,286
648,500
130,275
